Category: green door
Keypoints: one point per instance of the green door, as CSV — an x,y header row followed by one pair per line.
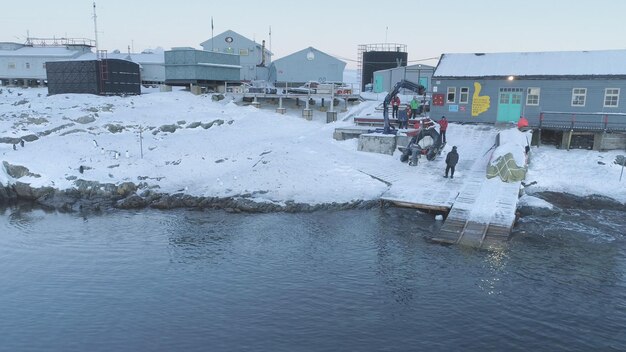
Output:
x,y
378,83
510,104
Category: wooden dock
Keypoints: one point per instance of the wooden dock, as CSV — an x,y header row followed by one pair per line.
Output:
x,y
480,211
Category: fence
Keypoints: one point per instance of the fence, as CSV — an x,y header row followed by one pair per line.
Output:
x,y
593,122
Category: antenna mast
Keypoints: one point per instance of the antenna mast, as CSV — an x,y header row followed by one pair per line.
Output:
x,y
95,25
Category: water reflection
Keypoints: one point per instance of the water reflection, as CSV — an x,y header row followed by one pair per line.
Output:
x,y
353,280
496,260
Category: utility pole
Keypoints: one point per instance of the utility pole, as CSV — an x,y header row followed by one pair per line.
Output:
x,y
95,25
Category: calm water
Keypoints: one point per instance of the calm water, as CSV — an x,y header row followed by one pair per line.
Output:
x,y
326,281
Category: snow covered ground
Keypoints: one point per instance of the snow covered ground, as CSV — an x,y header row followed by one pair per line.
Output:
x,y
202,147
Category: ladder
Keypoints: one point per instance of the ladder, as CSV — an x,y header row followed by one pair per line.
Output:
x,y
103,70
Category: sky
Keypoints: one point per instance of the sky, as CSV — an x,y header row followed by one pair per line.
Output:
x,y
428,28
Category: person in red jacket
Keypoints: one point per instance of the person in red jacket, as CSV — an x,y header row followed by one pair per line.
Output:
x,y
443,127
395,105
522,123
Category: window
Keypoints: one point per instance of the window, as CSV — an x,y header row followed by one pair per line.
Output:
x,y
28,65
243,52
464,96
229,50
11,65
611,97
532,96
451,94
43,65
579,96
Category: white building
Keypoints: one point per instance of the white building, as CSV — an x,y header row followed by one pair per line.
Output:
x,y
25,64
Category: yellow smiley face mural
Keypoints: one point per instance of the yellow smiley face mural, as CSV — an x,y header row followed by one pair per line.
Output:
x,y
480,104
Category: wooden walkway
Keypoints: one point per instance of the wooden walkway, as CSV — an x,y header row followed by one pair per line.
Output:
x,y
482,215
481,211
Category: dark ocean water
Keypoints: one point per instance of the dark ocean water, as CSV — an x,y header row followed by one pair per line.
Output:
x,y
363,280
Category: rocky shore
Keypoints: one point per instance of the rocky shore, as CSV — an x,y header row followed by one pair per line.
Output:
x,y
90,195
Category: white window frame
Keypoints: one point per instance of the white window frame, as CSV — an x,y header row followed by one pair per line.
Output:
x,y
607,95
529,94
451,90
244,52
578,93
11,65
27,65
464,95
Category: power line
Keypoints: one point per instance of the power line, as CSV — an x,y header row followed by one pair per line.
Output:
x,y
382,62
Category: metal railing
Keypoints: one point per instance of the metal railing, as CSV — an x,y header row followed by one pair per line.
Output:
x,y
593,122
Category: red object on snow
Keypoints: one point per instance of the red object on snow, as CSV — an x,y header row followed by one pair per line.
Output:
x,y
522,122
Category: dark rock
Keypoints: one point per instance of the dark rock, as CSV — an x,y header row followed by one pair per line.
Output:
x,y
15,171
126,189
23,191
85,119
114,128
56,129
210,124
10,140
72,131
169,128
132,202
526,210
30,138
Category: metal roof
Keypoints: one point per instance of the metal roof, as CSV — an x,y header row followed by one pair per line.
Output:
x,y
557,63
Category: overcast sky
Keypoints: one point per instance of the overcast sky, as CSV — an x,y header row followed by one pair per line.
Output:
x,y
428,28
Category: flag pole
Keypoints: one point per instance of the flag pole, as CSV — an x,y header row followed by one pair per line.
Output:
x,y
270,39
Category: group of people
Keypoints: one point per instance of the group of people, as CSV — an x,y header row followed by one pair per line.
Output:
x,y
412,109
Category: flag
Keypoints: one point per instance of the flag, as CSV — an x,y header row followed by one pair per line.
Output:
x,y
270,31
211,22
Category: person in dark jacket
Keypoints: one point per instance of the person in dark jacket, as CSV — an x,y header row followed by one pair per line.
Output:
x,y
451,159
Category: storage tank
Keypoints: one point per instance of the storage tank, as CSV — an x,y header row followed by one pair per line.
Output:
x,y
376,57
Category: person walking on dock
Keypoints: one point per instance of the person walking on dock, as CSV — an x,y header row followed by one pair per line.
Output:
x,y
443,126
451,159
395,105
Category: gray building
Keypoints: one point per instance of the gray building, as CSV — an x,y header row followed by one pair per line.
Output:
x,y
306,65
25,64
254,57
562,91
188,66
385,80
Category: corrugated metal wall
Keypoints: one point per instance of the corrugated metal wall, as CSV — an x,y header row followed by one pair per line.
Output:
x,y
555,95
110,76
